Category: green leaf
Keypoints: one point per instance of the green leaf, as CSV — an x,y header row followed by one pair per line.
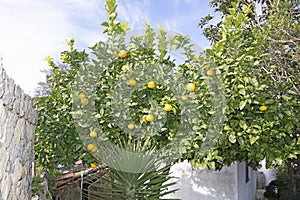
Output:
x,y
243,124
201,165
211,165
232,138
242,105
253,139
289,126
242,91
291,155
286,97
240,140
292,92
105,24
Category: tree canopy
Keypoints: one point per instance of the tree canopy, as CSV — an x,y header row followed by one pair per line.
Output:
x,y
256,44
254,55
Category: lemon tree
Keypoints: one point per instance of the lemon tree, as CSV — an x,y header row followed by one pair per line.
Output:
x,y
56,139
258,56
131,99
138,93
145,105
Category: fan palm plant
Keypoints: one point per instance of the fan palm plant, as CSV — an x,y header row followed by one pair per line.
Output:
x,y
133,173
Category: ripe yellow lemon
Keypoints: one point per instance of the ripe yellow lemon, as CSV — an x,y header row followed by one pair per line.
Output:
x,y
151,85
84,101
144,118
81,95
131,126
191,87
93,165
149,118
168,107
94,149
132,82
207,66
122,54
263,108
93,134
210,72
91,148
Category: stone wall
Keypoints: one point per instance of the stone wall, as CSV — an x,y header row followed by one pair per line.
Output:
x,y
17,124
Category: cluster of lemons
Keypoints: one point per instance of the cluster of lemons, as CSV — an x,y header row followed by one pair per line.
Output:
x,y
209,72
190,87
149,117
152,85
167,107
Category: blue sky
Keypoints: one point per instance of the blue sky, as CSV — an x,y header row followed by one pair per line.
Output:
x,y
33,29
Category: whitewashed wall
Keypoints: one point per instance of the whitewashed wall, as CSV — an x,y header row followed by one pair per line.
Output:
x,y
227,184
246,191
270,174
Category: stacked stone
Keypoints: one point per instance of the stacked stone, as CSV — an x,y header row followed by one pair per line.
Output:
x,y
17,126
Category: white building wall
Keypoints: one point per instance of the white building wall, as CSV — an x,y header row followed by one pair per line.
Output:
x,y
270,174
246,190
227,184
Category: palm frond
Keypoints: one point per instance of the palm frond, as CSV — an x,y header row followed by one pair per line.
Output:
x,y
135,172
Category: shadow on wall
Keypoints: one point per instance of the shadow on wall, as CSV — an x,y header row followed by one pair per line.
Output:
x,y
204,184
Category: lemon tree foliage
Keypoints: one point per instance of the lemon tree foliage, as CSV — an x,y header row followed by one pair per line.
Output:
x,y
154,88
259,68
152,100
56,139
258,56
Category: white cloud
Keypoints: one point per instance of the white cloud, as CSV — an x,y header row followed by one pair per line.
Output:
x,y
33,29
133,11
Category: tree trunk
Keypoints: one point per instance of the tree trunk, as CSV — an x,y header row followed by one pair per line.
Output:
x,y
292,180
